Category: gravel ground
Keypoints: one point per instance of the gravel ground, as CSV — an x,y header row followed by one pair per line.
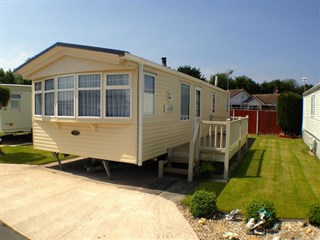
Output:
x,y
216,227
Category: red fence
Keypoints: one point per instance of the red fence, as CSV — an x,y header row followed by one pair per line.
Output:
x,y
260,121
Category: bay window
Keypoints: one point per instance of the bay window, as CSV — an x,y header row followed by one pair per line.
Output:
x,y
66,96
49,97
38,98
185,102
89,95
118,95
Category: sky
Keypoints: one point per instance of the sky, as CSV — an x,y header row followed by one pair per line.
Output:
x,y
262,39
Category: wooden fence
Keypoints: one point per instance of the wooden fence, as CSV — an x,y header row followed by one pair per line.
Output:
x,y
260,121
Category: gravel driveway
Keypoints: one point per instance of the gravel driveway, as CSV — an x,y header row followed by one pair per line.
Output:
x,y
41,203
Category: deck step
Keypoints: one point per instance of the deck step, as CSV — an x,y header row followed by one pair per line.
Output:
x,y
178,160
176,170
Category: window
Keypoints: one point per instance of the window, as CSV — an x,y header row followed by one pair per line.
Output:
x,y
313,105
38,98
149,90
66,96
185,102
89,95
198,103
118,95
49,97
213,103
15,102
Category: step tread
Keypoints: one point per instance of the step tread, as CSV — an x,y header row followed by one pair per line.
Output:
x,y
176,170
178,160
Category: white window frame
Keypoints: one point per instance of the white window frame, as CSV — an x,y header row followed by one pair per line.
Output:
x,y
18,100
54,97
213,102
197,89
74,89
84,89
313,105
154,95
116,87
180,115
36,92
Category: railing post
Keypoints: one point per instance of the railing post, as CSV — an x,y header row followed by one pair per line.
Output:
x,y
240,138
227,152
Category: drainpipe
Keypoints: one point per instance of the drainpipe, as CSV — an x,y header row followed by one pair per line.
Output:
x,y
141,110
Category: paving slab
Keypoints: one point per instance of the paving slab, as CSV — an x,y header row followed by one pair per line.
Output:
x,y
42,203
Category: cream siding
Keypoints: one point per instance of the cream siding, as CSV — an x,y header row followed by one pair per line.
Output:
x,y
165,130
106,138
311,123
17,120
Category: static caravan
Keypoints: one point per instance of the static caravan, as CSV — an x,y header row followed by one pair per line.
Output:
x,y
112,105
311,119
16,117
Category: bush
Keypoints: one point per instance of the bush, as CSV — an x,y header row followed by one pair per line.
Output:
x,y
203,203
314,214
206,168
255,205
289,113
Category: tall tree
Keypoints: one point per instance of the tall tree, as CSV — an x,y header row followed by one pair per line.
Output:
x,y
192,71
4,97
246,83
9,77
224,80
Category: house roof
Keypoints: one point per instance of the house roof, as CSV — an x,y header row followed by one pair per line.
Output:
x,y
77,46
234,92
267,99
57,50
312,90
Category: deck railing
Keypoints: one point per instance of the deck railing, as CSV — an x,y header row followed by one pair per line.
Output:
x,y
226,137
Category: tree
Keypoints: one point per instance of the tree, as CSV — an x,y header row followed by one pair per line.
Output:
x,y
289,113
192,71
9,77
246,83
4,97
224,80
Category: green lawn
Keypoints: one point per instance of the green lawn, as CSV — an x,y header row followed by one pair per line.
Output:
x,y
278,169
26,155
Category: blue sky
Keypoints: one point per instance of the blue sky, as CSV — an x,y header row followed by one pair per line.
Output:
x,y
264,40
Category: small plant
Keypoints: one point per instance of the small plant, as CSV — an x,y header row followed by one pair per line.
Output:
x,y
203,203
206,168
314,213
255,206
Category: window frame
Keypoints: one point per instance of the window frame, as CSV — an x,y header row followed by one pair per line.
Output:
x,y
74,89
18,100
54,97
38,92
78,89
116,87
197,89
189,85
154,95
313,105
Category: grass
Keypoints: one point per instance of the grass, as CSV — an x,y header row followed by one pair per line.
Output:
x,y
278,169
26,155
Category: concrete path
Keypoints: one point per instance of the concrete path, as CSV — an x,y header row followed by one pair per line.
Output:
x,y
41,203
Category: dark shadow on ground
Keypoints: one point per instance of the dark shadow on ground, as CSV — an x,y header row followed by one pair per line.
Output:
x,y
16,139
129,176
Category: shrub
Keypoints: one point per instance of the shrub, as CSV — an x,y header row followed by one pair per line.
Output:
x,y
4,97
252,210
314,213
203,203
289,113
206,168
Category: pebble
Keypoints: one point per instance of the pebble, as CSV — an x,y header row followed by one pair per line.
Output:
x,y
215,228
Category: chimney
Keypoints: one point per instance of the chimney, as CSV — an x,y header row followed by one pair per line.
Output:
x,y
216,80
164,61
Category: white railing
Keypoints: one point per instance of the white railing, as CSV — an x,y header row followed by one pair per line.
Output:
x,y
193,151
226,137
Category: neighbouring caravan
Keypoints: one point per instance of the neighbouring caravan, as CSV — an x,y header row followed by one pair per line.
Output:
x,y
311,119
110,104
16,117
